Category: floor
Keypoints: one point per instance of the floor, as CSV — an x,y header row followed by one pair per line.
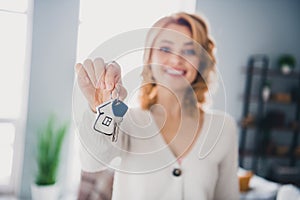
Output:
x,y
7,198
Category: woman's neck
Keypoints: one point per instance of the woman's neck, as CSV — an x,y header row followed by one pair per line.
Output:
x,y
170,102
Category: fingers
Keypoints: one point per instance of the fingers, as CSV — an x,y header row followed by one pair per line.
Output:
x,y
112,75
98,81
89,68
101,75
99,67
84,83
82,76
106,75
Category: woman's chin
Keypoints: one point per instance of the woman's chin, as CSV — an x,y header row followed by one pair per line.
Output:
x,y
176,86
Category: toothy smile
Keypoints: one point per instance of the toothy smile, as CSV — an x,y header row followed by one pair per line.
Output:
x,y
175,72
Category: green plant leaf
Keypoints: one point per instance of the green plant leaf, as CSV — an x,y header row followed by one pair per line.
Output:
x,y
49,145
287,59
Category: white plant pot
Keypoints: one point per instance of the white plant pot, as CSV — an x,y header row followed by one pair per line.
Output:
x,y
48,192
286,69
266,93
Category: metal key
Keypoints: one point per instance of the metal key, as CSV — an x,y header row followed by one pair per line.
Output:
x,y
119,109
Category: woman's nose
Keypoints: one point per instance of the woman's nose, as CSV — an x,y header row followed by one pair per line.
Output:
x,y
174,58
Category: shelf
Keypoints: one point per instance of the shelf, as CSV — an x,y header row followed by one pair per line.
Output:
x,y
274,102
254,99
282,129
249,153
276,73
270,115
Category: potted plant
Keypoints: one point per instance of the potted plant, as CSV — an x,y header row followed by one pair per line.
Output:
x,y
286,63
49,144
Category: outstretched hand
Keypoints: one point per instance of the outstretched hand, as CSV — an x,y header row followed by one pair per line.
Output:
x,y
99,81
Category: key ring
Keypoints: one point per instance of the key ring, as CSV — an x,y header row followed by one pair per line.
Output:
x,y
118,92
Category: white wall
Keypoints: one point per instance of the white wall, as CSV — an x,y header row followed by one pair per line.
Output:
x,y
242,28
54,37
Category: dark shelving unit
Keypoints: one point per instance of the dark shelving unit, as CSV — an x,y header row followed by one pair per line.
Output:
x,y
258,72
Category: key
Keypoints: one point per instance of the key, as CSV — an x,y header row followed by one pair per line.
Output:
x,y
119,109
109,117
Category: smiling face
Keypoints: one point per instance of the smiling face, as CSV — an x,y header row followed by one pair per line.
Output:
x,y
170,59
174,58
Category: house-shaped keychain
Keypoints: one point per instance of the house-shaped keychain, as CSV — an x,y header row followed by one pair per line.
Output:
x,y
105,119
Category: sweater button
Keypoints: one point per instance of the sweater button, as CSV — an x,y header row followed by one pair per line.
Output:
x,y
177,172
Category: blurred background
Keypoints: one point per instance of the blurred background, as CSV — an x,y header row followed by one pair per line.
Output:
x,y
40,41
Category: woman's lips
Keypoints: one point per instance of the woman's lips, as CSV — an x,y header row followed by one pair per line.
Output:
x,y
175,72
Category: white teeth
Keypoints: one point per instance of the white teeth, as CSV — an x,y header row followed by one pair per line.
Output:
x,y
175,72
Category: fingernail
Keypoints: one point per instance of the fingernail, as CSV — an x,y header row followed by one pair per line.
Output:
x,y
109,86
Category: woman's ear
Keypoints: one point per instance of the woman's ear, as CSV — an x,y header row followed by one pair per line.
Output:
x,y
148,74
153,92
151,74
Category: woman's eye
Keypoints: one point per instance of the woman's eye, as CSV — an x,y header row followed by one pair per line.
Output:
x,y
165,49
189,52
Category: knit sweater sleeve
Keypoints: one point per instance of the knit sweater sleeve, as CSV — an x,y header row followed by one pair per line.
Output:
x,y
96,151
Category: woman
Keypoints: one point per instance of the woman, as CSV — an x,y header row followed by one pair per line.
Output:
x,y
170,148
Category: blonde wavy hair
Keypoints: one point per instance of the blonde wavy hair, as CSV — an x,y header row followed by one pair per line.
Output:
x,y
200,34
